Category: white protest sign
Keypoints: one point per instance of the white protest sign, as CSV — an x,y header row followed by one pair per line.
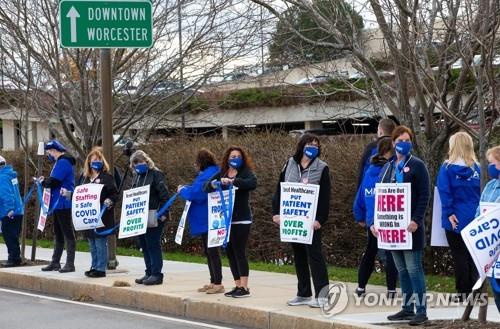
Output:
x,y
438,233
393,215
482,238
484,207
216,222
135,210
86,207
44,209
182,224
298,212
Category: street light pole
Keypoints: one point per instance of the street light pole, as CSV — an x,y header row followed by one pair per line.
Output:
x,y
107,133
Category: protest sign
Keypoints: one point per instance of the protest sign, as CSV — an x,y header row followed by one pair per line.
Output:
x,y
482,238
44,209
135,210
483,208
393,215
182,224
298,212
86,207
438,233
216,221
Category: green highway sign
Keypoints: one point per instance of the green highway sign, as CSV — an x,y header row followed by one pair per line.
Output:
x,y
106,24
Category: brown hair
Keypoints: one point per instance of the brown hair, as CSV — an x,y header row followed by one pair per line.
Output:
x,y
387,126
494,152
247,160
305,139
401,130
96,151
384,145
205,158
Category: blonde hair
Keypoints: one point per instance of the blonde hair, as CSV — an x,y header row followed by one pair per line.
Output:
x,y
141,156
462,147
96,151
494,152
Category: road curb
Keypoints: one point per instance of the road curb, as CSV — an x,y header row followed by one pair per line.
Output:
x,y
170,304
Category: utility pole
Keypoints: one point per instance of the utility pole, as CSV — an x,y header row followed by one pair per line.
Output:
x,y
181,65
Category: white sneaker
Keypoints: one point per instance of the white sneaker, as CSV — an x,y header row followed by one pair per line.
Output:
x,y
299,301
317,302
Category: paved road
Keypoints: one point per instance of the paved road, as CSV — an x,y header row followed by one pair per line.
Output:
x,y
20,310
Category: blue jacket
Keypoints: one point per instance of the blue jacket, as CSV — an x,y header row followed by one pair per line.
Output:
x,y
198,212
459,188
491,193
10,197
364,203
62,175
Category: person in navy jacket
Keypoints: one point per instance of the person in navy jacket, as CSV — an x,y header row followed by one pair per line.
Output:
x,y
363,208
459,186
61,183
11,212
205,165
407,168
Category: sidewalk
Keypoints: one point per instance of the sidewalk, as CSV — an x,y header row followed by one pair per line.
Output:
x,y
178,296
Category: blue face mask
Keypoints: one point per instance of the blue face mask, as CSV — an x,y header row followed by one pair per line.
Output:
x,y
311,152
493,172
141,168
96,165
51,157
235,162
404,148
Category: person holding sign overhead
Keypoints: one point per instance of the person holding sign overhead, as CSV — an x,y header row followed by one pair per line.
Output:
x,y
96,171
459,186
237,169
61,183
206,167
305,167
363,208
491,195
146,173
407,168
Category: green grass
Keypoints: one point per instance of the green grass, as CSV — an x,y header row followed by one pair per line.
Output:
x,y
342,274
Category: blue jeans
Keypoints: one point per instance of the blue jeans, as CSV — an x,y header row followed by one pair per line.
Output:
x,y
412,279
11,228
150,243
99,253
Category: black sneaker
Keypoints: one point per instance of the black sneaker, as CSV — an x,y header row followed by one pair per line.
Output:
x,y
11,263
97,274
241,292
52,267
401,316
418,320
87,273
153,280
360,291
141,280
231,292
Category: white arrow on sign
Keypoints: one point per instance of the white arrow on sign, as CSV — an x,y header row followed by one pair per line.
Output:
x,y
73,15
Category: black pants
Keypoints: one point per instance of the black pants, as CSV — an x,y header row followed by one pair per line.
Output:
x,y
310,256
63,230
465,270
368,263
237,250
11,228
213,260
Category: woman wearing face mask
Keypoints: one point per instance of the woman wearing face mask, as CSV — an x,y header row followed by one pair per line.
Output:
x,y
96,171
363,208
491,193
206,167
150,242
407,168
459,186
237,170
306,167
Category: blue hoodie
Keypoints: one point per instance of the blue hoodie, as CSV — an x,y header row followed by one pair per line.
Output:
x,y
64,174
10,197
459,187
364,203
198,211
491,193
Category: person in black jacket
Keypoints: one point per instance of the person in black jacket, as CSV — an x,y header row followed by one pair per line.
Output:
x,y
407,168
150,242
237,170
385,129
96,171
306,167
